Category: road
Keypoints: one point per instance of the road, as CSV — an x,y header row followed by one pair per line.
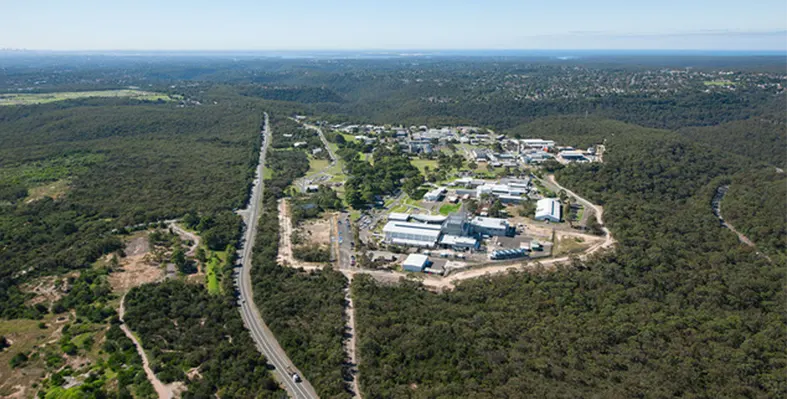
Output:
x,y
163,391
721,191
306,180
262,335
598,211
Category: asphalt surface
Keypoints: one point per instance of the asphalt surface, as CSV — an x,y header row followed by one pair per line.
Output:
x,y
262,335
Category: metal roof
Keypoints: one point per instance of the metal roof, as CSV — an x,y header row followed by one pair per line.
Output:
x,y
490,223
417,260
548,207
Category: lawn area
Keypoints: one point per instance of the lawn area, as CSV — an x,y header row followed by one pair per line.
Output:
x,y
267,173
41,98
421,164
448,209
348,137
355,214
316,165
399,208
210,270
368,158
718,83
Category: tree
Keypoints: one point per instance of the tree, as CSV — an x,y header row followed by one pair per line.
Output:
x,y
496,210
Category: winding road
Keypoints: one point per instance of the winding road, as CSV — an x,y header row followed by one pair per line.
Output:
x,y
721,191
262,335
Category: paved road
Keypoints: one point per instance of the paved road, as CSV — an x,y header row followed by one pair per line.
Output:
x,y
262,335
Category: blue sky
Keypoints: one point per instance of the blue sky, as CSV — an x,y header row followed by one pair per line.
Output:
x,y
382,24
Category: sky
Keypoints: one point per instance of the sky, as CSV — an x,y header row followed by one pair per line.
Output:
x,y
384,24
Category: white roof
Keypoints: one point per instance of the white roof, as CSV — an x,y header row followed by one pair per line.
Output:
x,y
429,218
492,223
403,217
548,207
417,260
537,141
449,239
415,228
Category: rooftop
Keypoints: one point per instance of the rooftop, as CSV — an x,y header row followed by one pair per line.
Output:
x,y
492,223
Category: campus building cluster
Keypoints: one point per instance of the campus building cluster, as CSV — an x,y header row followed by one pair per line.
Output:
x,y
457,231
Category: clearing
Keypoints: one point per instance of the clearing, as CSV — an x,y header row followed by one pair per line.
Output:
x,y
572,243
24,336
52,190
317,165
42,98
138,267
421,164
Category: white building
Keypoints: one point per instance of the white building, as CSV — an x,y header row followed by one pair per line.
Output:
x,y
415,263
498,190
411,234
536,143
398,217
435,195
490,226
548,209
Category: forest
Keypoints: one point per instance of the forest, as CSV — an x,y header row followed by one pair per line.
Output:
x,y
120,164
755,206
186,329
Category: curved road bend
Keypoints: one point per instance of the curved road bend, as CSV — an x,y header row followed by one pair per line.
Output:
x,y
262,335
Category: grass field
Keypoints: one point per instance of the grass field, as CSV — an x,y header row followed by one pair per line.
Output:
x,y
718,83
213,280
421,164
348,137
399,209
42,98
316,165
267,173
448,209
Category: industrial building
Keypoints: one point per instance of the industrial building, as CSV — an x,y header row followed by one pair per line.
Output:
x,y
491,226
415,263
549,209
536,143
499,189
412,234
573,156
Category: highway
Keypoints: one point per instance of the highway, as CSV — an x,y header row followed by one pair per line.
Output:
x,y
262,335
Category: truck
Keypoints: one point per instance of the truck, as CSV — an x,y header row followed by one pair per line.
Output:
x,y
295,377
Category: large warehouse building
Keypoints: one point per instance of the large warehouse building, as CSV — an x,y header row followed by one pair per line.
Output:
x,y
412,234
548,209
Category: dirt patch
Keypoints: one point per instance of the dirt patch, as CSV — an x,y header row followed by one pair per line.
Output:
x,y
47,290
572,244
137,268
316,231
25,336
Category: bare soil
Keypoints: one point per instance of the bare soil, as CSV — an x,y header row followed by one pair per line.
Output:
x,y
137,267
